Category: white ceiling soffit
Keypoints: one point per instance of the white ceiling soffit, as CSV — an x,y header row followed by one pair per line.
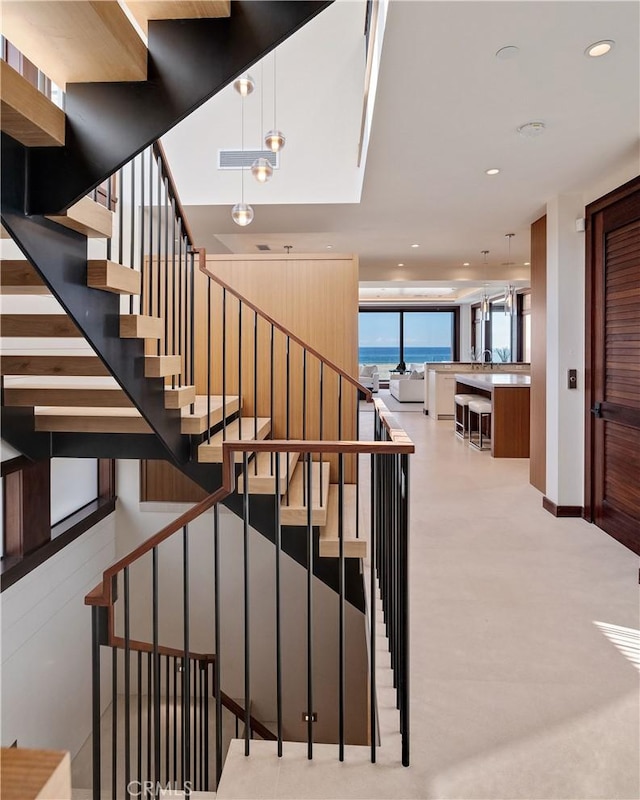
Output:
x,y
446,110
319,97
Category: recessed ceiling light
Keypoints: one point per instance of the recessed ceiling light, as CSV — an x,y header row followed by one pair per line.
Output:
x,y
401,265
415,245
600,48
492,171
530,130
505,53
527,263
466,264
329,246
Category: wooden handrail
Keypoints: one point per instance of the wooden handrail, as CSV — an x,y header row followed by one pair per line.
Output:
x,y
203,268
396,432
159,152
102,595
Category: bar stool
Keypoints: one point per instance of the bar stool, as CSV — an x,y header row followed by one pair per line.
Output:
x,y
481,410
461,418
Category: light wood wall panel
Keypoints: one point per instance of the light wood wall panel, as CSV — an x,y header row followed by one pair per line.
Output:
x,y
538,448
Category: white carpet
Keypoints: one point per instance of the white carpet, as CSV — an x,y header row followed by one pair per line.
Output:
x,y
392,404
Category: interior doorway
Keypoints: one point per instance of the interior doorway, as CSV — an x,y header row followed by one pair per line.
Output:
x,y
612,491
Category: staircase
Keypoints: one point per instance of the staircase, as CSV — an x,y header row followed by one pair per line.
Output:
x,y
119,376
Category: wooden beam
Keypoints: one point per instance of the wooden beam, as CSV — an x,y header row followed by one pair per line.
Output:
x,y
87,217
81,42
26,114
112,277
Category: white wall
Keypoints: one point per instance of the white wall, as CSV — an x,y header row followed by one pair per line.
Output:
x,y
74,483
46,645
135,524
566,333
465,332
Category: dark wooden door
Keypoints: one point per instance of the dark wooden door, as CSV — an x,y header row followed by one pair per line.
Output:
x,y
613,355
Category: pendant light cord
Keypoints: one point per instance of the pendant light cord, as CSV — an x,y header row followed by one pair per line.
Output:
x,y
242,146
275,127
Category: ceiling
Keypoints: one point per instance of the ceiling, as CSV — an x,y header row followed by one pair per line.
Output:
x,y
447,109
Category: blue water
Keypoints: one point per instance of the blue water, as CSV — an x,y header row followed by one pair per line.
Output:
x,y
412,355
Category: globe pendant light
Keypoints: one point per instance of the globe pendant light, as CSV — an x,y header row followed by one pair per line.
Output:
x,y
242,213
244,85
274,140
484,300
261,170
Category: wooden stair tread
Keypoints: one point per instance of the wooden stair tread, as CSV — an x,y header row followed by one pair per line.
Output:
x,y
329,535
26,114
57,390
110,419
76,42
262,480
211,452
293,508
38,326
17,276
162,366
109,276
87,217
196,423
38,364
141,326
146,10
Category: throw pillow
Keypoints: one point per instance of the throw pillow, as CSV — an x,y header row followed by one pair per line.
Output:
x,y
368,370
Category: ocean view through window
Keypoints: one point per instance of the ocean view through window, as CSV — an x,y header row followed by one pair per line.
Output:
x,y
387,338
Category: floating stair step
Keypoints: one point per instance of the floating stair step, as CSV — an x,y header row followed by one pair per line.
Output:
x,y
112,277
293,508
162,366
196,422
211,452
146,10
140,326
51,365
329,535
17,276
262,478
76,42
86,217
90,420
41,326
26,114
64,391
179,397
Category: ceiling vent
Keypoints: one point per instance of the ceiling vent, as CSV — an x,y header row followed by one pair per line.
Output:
x,y
263,247
243,159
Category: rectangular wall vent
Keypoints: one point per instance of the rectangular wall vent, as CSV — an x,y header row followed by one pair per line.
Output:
x,y
263,247
243,159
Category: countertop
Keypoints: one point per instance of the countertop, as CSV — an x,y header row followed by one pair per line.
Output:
x,y
460,366
490,380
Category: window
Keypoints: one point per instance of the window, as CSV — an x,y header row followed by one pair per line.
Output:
x,y
524,326
501,333
391,336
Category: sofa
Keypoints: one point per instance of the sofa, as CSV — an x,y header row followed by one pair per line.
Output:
x,y
369,377
408,388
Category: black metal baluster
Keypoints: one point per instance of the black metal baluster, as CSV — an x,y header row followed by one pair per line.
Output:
x,y
240,372
271,404
339,407
156,668
159,227
321,424
193,665
114,722
150,257
278,529
174,672
132,223
179,310
404,583
304,425
206,729
95,701
209,334
357,458
186,688
192,345
120,184
255,386
109,240
341,631
310,712
139,731
127,680
372,613
288,415
143,266
167,723
174,307
149,716
223,339
216,663
185,350
165,266
247,632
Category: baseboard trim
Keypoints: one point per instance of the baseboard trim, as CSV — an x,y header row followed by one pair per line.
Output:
x,y
561,511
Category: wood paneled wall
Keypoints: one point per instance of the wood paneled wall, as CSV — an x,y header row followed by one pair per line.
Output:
x,y
538,449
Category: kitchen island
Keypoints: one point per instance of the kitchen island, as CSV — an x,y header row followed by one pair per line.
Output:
x,y
509,395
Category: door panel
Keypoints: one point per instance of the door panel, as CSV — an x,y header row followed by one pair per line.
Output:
x,y
613,363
